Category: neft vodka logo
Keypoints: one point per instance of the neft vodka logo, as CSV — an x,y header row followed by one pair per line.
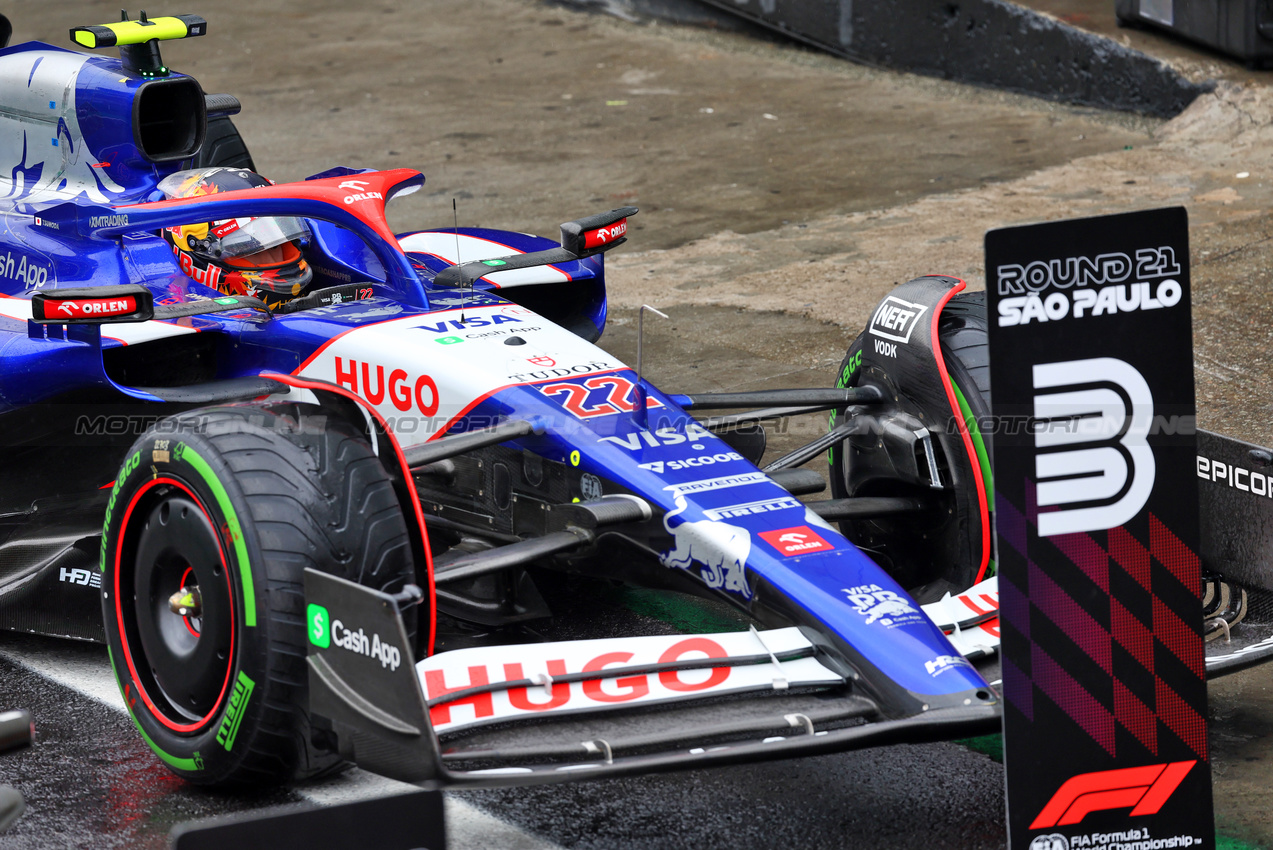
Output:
x,y
896,319
1106,284
1092,459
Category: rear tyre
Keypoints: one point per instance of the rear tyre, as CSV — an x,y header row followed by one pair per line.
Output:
x,y
213,519
223,146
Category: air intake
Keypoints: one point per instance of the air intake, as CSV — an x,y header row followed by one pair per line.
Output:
x,y
169,119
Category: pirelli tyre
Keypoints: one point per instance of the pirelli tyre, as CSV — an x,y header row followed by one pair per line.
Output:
x,y
212,520
928,554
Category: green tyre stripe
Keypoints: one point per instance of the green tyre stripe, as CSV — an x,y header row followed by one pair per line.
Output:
x,y
236,532
179,763
983,458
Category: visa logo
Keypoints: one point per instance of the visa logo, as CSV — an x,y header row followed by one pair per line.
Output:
x,y
472,322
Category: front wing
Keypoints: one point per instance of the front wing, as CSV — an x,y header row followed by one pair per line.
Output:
x,y
541,713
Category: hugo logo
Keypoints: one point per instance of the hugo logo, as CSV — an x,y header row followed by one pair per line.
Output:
x,y
621,686
403,390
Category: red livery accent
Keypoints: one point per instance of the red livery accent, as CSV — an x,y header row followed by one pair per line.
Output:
x,y
605,235
800,540
1143,789
381,185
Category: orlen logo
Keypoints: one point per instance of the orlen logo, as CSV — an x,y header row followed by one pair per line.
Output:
x,y
800,540
357,186
1144,789
605,235
1091,452
92,307
896,319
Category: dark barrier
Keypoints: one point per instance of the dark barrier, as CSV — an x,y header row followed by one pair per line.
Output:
x,y
988,42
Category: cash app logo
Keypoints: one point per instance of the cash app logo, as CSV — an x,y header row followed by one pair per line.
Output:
x,y
319,626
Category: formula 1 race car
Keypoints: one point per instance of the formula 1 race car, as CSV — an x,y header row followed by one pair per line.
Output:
x,y
274,455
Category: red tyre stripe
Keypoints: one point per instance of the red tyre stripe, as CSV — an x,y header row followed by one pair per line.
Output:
x,y
119,611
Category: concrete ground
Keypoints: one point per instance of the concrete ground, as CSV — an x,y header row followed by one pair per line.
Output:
x,y
782,194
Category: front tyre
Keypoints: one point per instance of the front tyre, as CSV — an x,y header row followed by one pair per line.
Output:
x,y
211,523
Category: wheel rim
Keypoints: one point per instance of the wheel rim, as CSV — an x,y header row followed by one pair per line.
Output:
x,y
180,665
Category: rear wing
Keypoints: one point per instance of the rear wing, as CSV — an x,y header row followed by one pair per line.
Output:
x,y
701,700
581,238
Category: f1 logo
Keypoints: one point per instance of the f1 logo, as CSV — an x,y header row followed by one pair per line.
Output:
x,y
1091,452
1143,789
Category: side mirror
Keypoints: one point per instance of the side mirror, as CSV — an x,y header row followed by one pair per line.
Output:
x,y
97,305
596,233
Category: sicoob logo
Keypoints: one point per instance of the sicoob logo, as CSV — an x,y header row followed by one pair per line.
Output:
x,y
1092,458
896,319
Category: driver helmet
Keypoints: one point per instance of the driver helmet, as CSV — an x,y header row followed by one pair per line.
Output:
x,y
260,257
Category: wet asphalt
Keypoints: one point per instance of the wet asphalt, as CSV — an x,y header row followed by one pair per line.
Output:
x,y
89,781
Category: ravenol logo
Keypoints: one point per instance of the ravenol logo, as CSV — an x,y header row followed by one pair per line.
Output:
x,y
1092,459
243,687
896,319
319,626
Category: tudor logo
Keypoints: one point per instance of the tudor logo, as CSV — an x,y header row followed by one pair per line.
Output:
x,y
1091,459
1142,789
896,319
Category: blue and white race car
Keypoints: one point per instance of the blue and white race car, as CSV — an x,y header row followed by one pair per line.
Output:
x,y
273,454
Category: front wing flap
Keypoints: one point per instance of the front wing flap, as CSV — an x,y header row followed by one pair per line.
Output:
x,y
554,712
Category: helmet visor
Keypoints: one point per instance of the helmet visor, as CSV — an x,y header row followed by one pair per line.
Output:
x,y
240,237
